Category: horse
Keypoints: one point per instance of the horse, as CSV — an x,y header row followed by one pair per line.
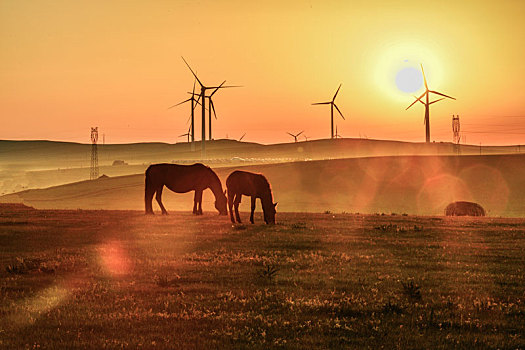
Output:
x,y
241,183
181,179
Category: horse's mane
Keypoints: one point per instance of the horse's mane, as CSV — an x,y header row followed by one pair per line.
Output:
x,y
265,182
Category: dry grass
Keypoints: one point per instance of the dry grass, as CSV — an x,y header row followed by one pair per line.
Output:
x,y
122,279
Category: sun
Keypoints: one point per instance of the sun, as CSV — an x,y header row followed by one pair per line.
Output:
x,y
397,72
409,79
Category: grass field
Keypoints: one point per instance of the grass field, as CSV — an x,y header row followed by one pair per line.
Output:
x,y
112,279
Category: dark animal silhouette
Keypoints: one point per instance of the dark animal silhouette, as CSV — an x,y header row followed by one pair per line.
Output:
x,y
182,179
464,209
241,183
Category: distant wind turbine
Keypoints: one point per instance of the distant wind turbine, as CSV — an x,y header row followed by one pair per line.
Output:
x,y
212,107
203,96
332,105
337,136
240,139
194,103
427,104
187,134
295,136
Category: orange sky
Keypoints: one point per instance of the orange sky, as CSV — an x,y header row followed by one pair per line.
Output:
x,y
68,65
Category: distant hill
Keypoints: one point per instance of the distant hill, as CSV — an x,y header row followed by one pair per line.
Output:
x,y
37,164
421,185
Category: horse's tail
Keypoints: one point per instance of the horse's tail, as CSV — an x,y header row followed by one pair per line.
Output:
x,y
149,191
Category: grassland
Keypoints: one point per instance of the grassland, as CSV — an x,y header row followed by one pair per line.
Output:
x,y
120,279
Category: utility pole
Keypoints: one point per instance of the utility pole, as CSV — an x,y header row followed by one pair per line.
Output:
x,y
455,130
94,154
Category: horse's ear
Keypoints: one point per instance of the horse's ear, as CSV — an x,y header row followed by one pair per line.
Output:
x,y
274,205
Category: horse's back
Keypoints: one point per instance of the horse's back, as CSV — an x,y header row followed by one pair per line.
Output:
x,y
246,183
177,177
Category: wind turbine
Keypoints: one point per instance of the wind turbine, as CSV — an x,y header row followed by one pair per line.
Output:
x,y
332,105
427,104
212,106
295,136
194,103
337,136
203,96
187,134
240,139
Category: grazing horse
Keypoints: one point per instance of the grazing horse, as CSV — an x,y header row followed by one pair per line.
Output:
x,y
182,179
256,186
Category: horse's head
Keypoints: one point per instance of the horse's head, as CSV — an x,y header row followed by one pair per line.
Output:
x,y
220,204
269,214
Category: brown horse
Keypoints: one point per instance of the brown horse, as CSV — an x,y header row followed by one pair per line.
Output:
x,y
182,179
241,183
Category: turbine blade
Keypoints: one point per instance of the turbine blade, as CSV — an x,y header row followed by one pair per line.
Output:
x,y
212,106
336,92
440,94
322,103
217,88
193,92
436,100
180,103
242,136
299,133
339,111
195,105
417,99
424,77
292,135
224,86
195,75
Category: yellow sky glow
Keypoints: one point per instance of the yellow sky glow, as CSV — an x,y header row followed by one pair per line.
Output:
x,y
68,65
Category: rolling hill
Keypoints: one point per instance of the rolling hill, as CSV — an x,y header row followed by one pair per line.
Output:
x,y
37,164
421,185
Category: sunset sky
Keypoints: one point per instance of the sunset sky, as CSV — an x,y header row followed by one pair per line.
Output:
x,y
68,65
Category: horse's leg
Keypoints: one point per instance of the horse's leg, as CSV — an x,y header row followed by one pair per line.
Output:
x,y
236,202
159,200
148,198
195,212
253,209
198,201
230,204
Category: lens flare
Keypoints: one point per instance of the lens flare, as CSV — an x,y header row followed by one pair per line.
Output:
x,y
114,258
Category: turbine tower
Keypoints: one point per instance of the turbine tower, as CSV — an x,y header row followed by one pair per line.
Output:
x,y
203,96
332,105
295,136
194,103
427,104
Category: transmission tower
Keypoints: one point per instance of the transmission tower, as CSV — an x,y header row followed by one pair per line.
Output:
x,y
455,131
94,154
